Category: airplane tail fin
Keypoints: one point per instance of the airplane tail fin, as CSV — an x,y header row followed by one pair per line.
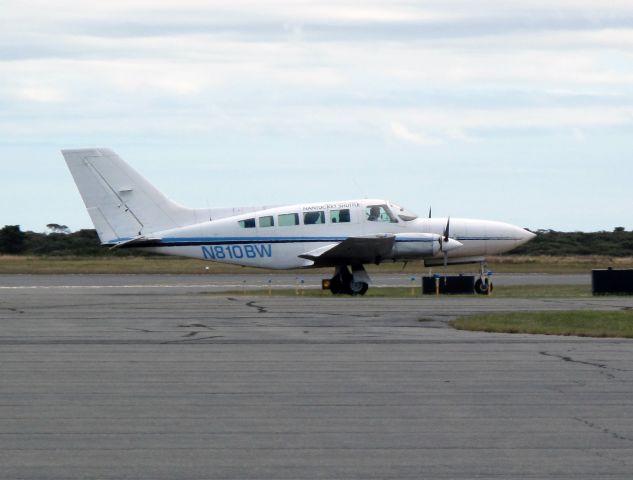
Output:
x,y
121,203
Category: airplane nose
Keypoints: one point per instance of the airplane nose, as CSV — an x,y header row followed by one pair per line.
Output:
x,y
526,235
521,235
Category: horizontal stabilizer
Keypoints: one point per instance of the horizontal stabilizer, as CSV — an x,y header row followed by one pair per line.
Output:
x,y
140,241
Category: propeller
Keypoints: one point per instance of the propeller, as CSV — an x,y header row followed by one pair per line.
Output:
x,y
446,235
444,243
447,243
430,211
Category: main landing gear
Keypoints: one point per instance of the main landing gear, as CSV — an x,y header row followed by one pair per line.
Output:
x,y
346,283
483,285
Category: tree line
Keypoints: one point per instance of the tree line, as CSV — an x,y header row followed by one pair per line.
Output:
x,y
618,243
61,242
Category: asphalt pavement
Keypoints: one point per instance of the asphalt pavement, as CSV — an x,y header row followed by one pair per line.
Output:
x,y
116,377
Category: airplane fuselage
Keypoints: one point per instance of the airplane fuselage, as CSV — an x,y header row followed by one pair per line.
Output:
x,y
276,237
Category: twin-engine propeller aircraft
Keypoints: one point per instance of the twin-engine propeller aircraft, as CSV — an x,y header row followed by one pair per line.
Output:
x,y
129,212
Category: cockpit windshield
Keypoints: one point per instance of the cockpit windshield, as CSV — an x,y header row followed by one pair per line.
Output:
x,y
379,213
403,214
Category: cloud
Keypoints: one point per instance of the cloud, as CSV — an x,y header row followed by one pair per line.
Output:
x,y
578,134
402,132
41,94
445,73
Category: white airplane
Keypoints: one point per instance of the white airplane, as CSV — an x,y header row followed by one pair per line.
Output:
x,y
129,212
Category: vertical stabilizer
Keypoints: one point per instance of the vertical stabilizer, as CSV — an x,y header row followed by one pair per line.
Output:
x,y
121,203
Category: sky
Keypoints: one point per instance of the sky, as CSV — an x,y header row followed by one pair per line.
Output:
x,y
518,111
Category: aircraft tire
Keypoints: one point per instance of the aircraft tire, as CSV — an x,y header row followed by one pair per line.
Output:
x,y
358,288
335,286
483,286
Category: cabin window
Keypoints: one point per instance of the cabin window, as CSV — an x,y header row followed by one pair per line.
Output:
x,y
267,221
288,219
248,223
314,218
379,213
340,216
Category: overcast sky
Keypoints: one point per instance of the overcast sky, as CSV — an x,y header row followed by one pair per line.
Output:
x,y
520,111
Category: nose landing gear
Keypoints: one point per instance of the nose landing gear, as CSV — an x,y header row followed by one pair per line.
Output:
x,y
483,285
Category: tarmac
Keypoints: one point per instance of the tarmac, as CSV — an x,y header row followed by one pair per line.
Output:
x,y
161,377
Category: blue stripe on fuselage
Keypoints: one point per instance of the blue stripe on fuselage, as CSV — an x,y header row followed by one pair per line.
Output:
x,y
197,241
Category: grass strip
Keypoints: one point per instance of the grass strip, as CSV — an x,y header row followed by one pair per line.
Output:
x,y
584,323
169,265
542,291
519,291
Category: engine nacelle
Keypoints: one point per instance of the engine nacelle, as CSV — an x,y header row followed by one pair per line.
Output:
x,y
416,245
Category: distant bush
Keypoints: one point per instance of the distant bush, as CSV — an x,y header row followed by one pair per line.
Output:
x,y
82,243
549,242
11,240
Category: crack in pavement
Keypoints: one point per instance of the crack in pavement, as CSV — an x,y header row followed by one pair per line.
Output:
x,y
569,359
259,308
603,429
611,458
14,310
191,339
252,304
196,325
604,369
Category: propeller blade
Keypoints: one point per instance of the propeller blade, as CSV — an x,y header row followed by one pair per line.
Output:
x,y
430,212
445,239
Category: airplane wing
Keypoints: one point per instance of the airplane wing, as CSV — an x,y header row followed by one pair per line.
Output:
x,y
353,250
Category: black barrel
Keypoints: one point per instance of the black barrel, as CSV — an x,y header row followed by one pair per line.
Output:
x,y
612,282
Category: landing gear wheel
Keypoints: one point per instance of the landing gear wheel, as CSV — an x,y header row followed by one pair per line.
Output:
x,y
483,286
343,282
335,286
340,283
358,288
